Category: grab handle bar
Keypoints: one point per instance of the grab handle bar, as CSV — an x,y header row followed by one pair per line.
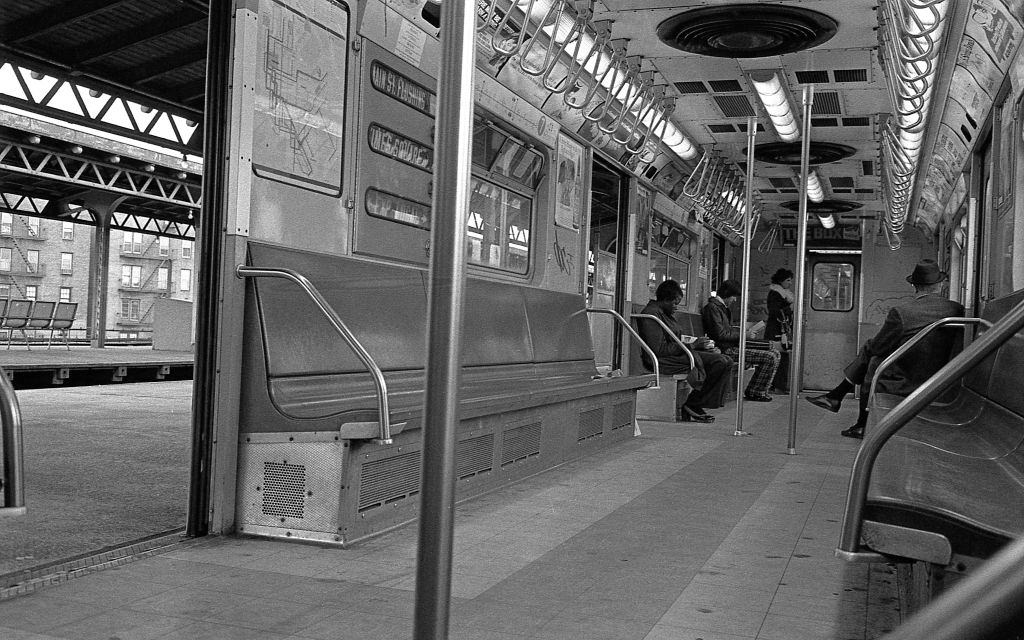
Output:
x,y
643,345
918,337
860,476
13,450
243,271
686,349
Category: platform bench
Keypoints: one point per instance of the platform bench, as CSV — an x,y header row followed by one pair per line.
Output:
x,y
529,395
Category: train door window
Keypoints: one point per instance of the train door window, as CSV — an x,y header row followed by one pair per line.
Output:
x,y
670,248
832,286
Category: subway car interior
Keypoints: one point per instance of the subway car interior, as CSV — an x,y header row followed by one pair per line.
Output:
x,y
427,234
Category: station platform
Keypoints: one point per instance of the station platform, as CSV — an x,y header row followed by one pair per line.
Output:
x,y
42,367
683,532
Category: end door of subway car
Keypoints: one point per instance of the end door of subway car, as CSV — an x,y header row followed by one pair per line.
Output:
x,y
831,318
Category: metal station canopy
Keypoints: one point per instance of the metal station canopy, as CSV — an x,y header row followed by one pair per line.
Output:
x,y
131,68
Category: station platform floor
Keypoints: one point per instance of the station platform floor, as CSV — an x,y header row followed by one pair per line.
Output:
x,y
682,533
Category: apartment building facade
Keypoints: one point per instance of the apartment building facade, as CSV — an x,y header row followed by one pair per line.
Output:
x,y
42,259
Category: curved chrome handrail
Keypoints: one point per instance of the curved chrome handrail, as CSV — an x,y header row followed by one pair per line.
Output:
x,y
13,450
632,332
243,271
909,344
686,349
893,421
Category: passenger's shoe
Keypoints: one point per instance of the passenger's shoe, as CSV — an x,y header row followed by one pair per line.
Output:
x,y
690,415
825,402
752,397
853,432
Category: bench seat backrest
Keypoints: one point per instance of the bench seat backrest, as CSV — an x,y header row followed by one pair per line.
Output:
x,y
996,376
385,307
18,313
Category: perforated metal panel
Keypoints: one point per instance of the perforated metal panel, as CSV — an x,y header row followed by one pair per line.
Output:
x,y
290,488
474,455
284,489
591,424
388,480
622,415
734,106
520,443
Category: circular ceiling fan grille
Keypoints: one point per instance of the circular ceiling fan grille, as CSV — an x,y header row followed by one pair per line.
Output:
x,y
824,207
789,152
747,30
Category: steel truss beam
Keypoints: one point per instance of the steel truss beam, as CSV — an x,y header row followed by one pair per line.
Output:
x,y
20,204
99,105
72,169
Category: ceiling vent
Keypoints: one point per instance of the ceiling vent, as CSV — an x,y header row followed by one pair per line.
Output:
x,y
856,122
812,77
851,75
746,30
734,106
781,183
841,182
824,207
824,122
721,128
789,152
868,166
694,86
826,103
725,85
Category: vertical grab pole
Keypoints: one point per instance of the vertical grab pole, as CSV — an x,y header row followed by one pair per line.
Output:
x,y
748,236
796,368
444,322
13,450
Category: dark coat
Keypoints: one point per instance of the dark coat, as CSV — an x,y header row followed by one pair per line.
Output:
x,y
671,357
928,356
717,321
779,310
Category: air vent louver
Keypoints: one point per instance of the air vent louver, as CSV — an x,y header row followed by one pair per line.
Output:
x,y
725,85
824,122
789,152
695,86
826,103
812,77
856,122
721,128
851,75
734,106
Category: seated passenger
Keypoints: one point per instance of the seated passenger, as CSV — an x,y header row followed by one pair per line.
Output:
x,y
718,325
902,323
671,357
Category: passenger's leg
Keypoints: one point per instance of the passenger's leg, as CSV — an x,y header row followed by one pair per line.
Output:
x,y
717,367
854,375
766,363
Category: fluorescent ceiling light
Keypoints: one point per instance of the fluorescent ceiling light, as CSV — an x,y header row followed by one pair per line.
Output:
x,y
773,97
814,191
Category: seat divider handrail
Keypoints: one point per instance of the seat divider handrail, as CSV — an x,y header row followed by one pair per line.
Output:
x,y
661,323
860,476
243,271
918,337
632,332
13,450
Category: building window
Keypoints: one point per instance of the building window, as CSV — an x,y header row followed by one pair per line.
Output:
x,y
186,279
32,260
5,291
161,278
131,276
65,294
67,230
165,246
6,221
65,263
186,248
33,225
132,242
31,291
5,259
131,309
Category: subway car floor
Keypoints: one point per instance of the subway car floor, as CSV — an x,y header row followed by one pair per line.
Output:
x,y
684,532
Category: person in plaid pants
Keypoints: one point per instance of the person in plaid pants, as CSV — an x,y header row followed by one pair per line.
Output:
x,y
718,325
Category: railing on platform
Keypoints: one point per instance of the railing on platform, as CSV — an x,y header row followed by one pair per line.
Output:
x,y
13,451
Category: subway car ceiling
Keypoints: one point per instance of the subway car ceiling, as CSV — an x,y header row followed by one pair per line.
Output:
x,y
900,95
901,90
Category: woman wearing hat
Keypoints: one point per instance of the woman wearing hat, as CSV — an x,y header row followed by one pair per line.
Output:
x,y
902,323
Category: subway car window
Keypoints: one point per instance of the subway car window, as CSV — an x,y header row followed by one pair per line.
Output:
x,y
832,287
499,228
